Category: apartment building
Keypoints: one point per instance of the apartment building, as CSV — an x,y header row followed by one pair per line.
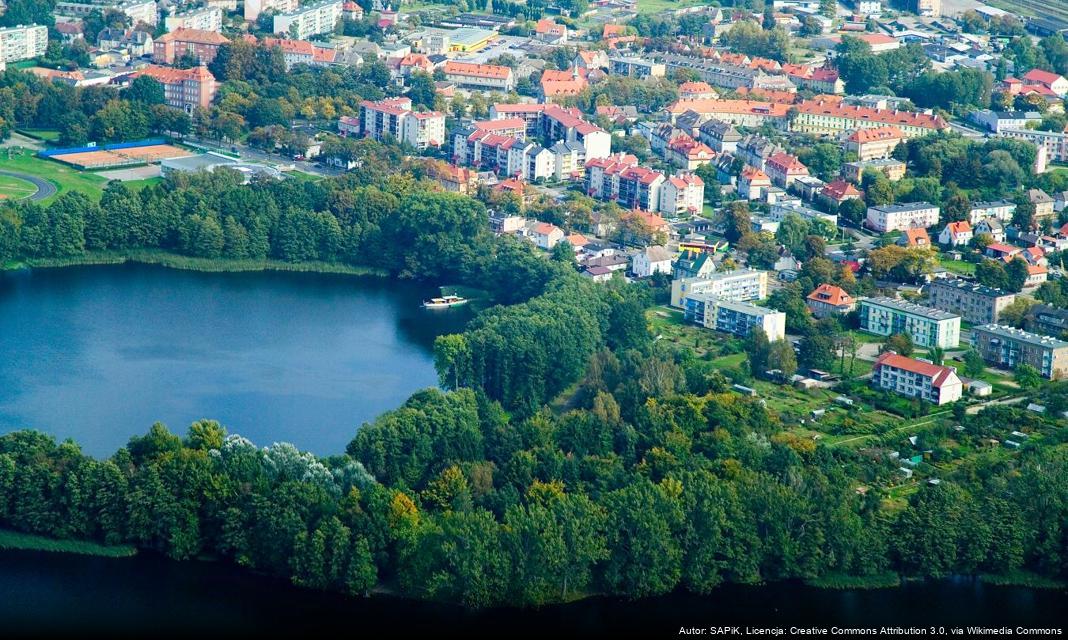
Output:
x,y
1047,320
205,19
139,11
309,20
253,8
894,170
23,43
1054,143
870,144
1002,210
185,89
1008,347
720,136
737,318
636,67
900,217
830,118
740,285
999,121
914,378
784,169
202,46
395,118
926,326
741,113
752,182
639,188
479,76
682,194
976,303
602,174
929,8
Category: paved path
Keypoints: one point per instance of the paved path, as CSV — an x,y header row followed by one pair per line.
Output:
x,y
45,189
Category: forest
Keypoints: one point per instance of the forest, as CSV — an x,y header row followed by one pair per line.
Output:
x,y
567,453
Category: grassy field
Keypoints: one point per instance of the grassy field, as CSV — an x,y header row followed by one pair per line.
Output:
x,y
959,267
64,177
14,188
660,6
18,540
48,135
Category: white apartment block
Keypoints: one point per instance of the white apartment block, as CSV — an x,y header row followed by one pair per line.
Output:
x,y
682,194
899,217
253,8
926,326
394,118
1000,209
1055,144
207,19
309,20
740,285
23,43
137,10
738,318
916,379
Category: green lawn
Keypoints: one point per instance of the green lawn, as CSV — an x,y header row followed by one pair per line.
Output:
x,y
959,267
137,185
15,188
660,6
64,177
48,135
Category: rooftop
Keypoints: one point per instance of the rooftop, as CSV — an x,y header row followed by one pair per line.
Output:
x,y
1019,335
909,307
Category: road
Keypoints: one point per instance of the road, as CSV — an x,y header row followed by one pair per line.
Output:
x,y
45,189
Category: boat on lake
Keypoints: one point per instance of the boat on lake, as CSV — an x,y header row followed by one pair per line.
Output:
x,y
444,302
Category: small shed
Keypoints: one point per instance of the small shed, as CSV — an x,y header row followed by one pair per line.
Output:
x,y
980,388
905,471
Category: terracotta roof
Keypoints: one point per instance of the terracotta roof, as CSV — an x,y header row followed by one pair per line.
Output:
x,y
1003,248
913,236
480,70
168,75
709,105
545,228
1039,76
886,116
938,374
786,163
752,173
840,189
578,240
956,228
393,106
614,30
832,295
695,87
198,36
302,47
878,134
768,95
497,125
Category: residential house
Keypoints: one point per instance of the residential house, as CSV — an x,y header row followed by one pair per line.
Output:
x,y
915,237
1047,319
991,227
956,234
691,263
650,261
1002,210
894,170
721,136
546,235
1043,203
479,76
828,300
838,191
755,150
696,91
1055,83
751,182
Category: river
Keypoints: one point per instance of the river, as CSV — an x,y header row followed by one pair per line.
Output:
x,y
99,353
42,592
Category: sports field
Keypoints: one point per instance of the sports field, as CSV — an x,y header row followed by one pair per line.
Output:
x,y
65,178
120,157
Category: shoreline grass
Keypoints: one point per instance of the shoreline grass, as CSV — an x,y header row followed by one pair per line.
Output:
x,y
886,580
30,542
187,263
1022,578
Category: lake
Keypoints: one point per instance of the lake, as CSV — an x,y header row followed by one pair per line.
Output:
x,y
99,353
42,592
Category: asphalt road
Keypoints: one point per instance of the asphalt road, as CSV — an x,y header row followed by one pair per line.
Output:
x,y
45,189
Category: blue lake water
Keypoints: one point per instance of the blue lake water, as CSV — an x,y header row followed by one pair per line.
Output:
x,y
99,353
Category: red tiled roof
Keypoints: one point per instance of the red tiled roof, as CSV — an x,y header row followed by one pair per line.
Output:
x,y
197,36
708,105
168,75
830,294
914,236
1039,76
878,134
956,228
886,116
938,374
840,189
480,70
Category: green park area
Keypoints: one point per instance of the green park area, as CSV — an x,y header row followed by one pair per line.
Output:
x,y
12,188
17,540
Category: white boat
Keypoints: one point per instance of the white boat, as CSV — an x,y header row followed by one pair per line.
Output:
x,y
444,302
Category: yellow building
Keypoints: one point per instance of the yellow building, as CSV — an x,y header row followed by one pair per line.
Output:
x,y
470,39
